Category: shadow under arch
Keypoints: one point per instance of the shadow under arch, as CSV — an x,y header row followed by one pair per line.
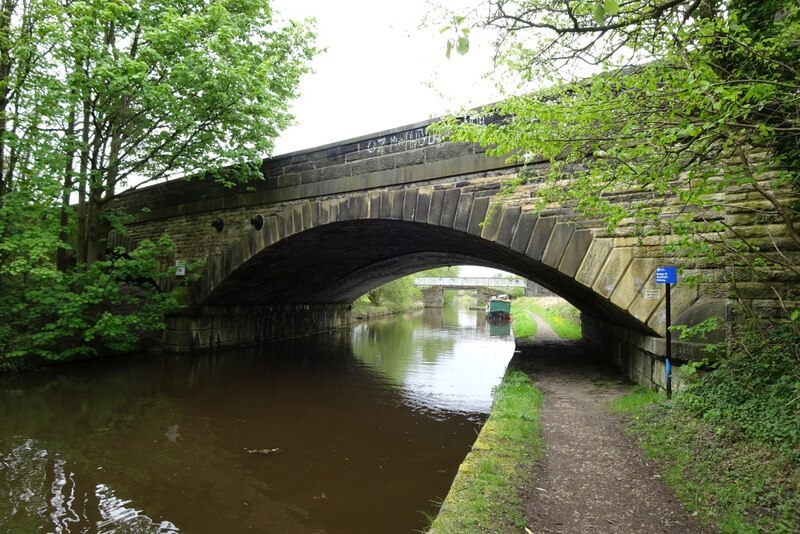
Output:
x,y
336,262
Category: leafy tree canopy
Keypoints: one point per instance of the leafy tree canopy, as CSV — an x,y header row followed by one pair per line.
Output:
x,y
686,98
100,95
96,95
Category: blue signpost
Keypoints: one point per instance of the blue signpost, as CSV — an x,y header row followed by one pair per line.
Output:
x,y
668,276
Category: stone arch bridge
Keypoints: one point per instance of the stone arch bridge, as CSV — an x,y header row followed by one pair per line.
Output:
x,y
288,255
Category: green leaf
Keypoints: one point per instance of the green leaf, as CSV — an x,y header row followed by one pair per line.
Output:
x,y
462,45
611,7
599,14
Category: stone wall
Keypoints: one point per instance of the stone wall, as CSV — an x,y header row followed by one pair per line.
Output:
x,y
532,289
433,297
206,328
639,357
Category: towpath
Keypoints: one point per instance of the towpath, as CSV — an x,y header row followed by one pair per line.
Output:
x,y
593,477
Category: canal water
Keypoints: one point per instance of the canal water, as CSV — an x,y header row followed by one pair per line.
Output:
x,y
358,431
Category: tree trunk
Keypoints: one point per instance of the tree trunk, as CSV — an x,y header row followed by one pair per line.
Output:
x,y
63,236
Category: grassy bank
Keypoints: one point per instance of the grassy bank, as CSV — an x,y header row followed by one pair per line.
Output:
x,y
363,311
562,317
739,484
523,322
484,495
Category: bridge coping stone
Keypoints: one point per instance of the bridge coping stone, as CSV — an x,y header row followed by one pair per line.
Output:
x,y
557,244
423,208
436,206
523,232
463,211
477,215
451,201
575,252
593,261
639,273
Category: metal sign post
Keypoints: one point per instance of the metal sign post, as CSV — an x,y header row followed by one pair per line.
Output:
x,y
668,276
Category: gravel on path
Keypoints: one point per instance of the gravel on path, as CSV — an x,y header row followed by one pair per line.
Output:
x,y
593,477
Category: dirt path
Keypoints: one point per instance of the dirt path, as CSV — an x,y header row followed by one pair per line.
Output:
x,y
593,477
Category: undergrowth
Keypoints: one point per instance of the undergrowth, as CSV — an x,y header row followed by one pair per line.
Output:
x,y
729,445
756,391
523,322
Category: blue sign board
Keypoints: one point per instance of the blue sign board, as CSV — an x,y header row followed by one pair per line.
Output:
x,y
666,275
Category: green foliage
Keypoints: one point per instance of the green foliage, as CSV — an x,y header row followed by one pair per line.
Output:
x,y
755,391
726,479
109,306
739,411
98,93
637,400
670,103
94,95
701,329
523,322
400,293
515,292
460,41
741,414
562,317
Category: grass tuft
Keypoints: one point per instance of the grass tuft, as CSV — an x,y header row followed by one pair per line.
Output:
x,y
524,324
637,400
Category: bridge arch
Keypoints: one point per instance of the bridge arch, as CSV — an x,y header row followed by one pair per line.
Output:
x,y
342,248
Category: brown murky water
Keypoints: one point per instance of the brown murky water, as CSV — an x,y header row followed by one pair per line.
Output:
x,y
359,431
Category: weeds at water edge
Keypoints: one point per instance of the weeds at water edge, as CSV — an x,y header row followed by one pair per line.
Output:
x,y
485,493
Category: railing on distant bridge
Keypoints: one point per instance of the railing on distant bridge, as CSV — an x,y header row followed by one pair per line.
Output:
x,y
470,282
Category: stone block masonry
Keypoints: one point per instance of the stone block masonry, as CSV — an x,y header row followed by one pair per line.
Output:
x,y
213,327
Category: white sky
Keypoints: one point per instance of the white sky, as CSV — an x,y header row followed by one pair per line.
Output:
x,y
381,70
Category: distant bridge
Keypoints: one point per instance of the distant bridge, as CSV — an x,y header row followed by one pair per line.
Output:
x,y
433,288
469,283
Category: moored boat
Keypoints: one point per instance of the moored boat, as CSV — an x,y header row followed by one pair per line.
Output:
x,y
498,308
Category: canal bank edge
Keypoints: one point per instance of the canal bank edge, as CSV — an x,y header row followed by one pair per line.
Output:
x,y
485,494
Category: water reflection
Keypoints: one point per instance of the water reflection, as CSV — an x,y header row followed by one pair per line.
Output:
x,y
442,362
42,489
370,426
500,329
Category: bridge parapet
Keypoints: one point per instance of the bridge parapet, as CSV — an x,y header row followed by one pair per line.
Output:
x,y
394,158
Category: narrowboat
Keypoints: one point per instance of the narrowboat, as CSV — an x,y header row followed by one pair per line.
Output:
x,y
498,308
